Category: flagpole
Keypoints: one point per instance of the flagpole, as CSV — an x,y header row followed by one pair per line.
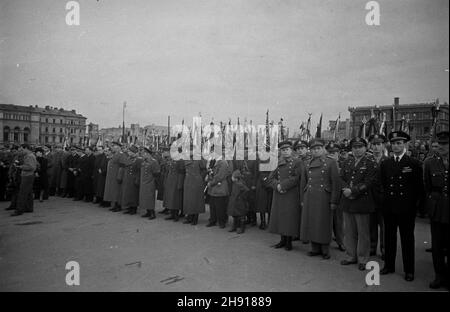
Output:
x,y
123,120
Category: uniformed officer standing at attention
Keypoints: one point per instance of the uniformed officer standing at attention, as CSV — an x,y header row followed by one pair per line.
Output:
x,y
301,150
150,171
321,190
377,144
358,175
338,213
131,179
402,182
436,188
285,212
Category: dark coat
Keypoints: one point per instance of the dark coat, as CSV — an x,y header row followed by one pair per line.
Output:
x,y
263,192
377,188
174,185
150,171
64,170
100,170
436,189
238,202
321,187
85,176
360,178
218,179
402,185
285,211
41,179
113,188
130,182
194,186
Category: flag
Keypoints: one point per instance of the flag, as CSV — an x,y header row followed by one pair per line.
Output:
x,y
308,127
336,127
319,128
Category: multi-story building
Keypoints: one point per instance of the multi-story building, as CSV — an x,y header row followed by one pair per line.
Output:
x,y
419,117
342,132
37,125
134,134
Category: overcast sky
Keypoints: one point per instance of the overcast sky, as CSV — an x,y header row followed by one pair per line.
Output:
x,y
222,58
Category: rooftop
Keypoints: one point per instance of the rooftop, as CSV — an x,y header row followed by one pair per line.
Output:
x,y
48,110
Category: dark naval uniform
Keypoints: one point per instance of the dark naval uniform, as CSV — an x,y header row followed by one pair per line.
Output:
x,y
436,188
402,182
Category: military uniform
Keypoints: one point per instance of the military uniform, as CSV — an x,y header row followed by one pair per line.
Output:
x,y
359,176
285,211
218,191
402,182
113,188
194,186
320,190
437,203
130,183
25,197
147,187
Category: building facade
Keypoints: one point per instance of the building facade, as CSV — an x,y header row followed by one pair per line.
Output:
x,y
37,125
419,117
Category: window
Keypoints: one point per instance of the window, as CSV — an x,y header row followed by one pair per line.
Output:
x,y
26,133
16,134
54,121
46,130
426,130
46,120
60,130
60,139
54,130
60,121
6,131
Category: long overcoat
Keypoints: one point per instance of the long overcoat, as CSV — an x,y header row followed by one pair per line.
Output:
x,y
130,182
320,189
194,186
149,172
285,211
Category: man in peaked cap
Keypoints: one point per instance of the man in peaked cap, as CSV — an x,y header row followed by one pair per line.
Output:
x,y
332,150
402,182
149,174
358,175
320,191
436,188
301,150
377,143
285,211
130,183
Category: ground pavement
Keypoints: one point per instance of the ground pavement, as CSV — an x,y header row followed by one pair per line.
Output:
x,y
118,252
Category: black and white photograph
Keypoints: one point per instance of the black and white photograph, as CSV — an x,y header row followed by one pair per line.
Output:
x,y
204,148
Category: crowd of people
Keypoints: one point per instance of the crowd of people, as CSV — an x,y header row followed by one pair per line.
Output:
x,y
358,193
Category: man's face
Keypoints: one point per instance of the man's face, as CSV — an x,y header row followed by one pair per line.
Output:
x,y
443,149
286,152
378,147
359,150
317,151
302,151
435,146
398,146
87,151
334,155
39,154
344,154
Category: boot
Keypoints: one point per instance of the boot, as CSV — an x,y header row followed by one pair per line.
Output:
x,y
116,209
176,216
188,219
288,243
282,242
127,211
235,225
133,210
253,218
241,228
165,211
147,214
152,215
172,215
194,219
262,226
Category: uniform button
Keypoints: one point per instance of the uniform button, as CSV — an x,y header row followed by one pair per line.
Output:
x,y
401,193
392,185
321,185
392,193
